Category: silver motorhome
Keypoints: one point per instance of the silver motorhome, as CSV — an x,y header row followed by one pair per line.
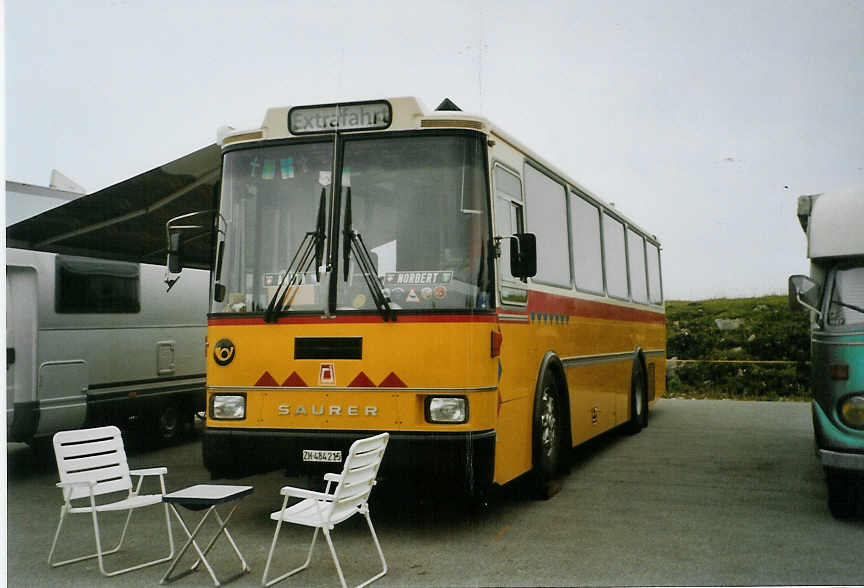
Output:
x,y
92,341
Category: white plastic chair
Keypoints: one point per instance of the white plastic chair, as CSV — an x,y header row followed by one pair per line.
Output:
x,y
91,463
325,510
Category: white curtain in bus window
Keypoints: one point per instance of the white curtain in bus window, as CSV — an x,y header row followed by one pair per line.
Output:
x,y
636,259
655,289
547,219
616,258
847,297
587,252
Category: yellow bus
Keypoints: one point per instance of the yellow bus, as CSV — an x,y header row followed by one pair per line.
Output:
x,y
379,267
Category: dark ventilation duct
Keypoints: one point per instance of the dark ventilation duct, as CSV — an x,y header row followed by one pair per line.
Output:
x,y
448,104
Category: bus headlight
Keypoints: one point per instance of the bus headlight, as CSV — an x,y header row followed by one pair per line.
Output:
x,y
228,406
447,409
852,411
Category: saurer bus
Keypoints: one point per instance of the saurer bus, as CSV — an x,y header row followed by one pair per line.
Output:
x,y
379,267
834,294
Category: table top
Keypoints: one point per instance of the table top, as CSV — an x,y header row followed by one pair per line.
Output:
x,y
203,495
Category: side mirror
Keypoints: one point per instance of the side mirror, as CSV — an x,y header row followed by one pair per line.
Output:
x,y
175,252
219,292
523,255
804,294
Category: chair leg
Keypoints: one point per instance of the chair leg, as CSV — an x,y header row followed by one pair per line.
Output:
x,y
264,580
99,552
56,535
380,553
335,559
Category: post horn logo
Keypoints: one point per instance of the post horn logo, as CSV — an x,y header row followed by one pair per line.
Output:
x,y
223,352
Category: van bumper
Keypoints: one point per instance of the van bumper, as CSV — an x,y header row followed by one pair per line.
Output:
x,y
463,460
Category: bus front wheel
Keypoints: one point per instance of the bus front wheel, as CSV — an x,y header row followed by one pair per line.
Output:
x,y
547,437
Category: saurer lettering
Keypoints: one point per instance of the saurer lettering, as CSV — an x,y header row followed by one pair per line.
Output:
x,y
331,410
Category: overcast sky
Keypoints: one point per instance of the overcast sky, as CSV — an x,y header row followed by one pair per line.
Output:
x,y
692,117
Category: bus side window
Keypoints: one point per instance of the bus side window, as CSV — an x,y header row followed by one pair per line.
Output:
x,y
509,219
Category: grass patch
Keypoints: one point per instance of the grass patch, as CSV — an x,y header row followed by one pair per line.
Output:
x,y
734,332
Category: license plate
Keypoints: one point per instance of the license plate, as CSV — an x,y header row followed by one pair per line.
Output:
x,y
325,456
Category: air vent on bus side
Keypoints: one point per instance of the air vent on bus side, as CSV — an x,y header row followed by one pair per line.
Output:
x,y
440,123
328,348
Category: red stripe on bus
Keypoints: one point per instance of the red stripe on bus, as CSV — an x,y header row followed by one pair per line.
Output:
x,y
309,320
565,305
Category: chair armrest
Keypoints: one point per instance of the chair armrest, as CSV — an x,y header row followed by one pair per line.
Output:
x,y
332,477
88,483
303,493
149,472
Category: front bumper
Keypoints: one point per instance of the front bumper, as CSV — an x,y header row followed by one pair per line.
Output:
x,y
463,460
842,461
838,447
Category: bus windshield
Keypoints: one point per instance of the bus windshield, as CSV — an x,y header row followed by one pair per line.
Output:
x,y
416,203
419,205
846,307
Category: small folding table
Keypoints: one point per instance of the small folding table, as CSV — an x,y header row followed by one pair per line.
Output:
x,y
200,497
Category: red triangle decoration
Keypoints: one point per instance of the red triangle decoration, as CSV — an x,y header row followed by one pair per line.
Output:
x,y
361,381
294,380
266,380
392,381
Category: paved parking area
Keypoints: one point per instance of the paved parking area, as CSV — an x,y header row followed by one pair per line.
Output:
x,y
711,493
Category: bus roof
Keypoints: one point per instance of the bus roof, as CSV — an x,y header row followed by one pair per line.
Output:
x,y
834,223
407,113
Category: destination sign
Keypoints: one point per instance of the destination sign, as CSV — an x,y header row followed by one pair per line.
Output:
x,y
339,117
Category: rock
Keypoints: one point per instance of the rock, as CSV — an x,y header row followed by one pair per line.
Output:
x,y
728,324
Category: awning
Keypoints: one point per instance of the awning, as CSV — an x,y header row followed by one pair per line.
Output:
x,y
126,221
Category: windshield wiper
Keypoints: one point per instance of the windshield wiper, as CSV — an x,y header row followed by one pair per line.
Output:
x,y
847,305
313,242
354,242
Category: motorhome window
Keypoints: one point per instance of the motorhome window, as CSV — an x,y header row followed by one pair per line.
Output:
x,y
636,261
847,297
615,257
655,285
587,249
96,286
547,219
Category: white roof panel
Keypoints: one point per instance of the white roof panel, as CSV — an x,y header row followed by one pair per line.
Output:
x,y
836,225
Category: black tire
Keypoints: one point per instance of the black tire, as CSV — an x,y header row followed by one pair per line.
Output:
x,y
168,423
842,494
638,400
548,437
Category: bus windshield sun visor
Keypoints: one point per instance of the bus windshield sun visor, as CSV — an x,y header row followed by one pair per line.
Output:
x,y
354,242
311,250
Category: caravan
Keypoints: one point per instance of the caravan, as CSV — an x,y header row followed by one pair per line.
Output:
x,y
92,342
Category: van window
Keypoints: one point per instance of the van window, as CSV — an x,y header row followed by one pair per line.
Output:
x,y
847,298
547,219
616,257
85,285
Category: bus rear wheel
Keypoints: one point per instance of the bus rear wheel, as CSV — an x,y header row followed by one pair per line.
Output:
x,y
638,400
547,437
